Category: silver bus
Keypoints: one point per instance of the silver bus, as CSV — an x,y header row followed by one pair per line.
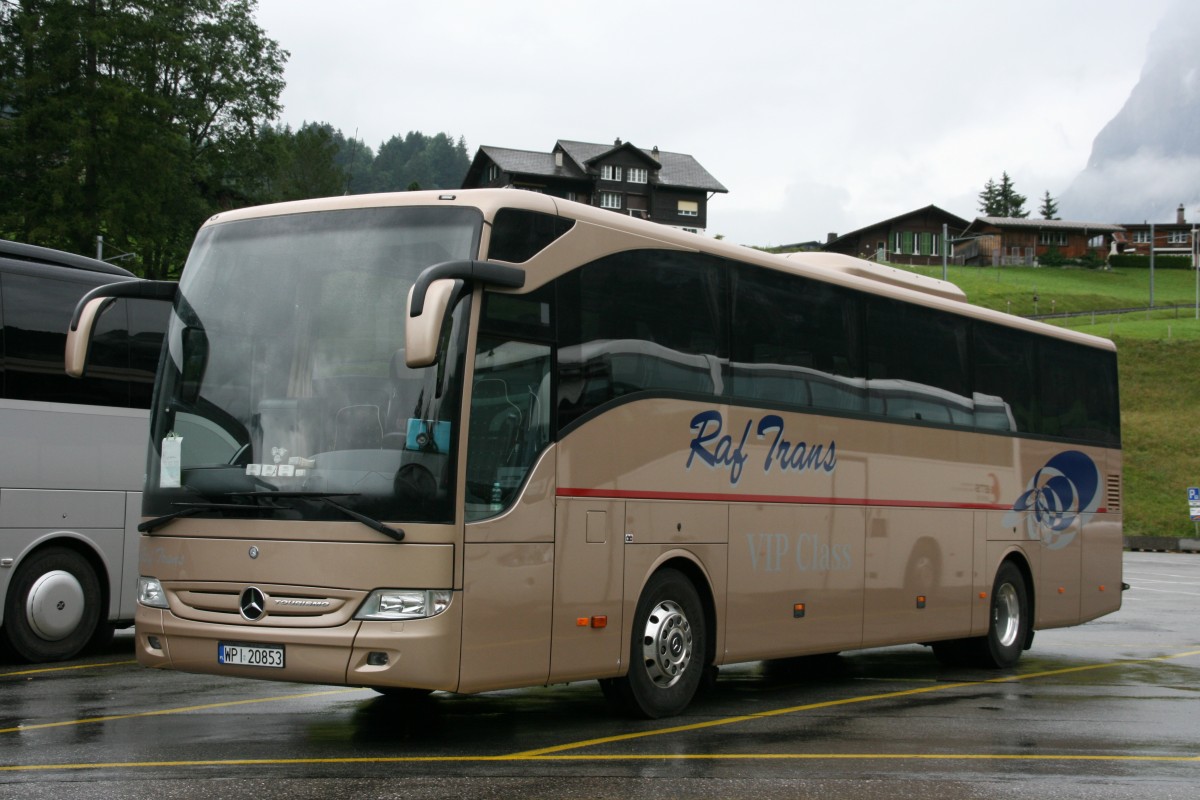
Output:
x,y
72,455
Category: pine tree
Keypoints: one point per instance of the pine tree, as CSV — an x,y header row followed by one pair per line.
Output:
x,y
1049,208
1012,204
989,199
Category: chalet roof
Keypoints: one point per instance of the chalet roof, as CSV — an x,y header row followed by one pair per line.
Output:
x,y
529,162
1026,223
676,169
953,220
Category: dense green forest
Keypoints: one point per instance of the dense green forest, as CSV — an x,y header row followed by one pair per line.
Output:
x,y
136,120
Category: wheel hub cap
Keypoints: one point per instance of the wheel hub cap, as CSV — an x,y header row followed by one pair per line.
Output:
x,y
54,607
667,644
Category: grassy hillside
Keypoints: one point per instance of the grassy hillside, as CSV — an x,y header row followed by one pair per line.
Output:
x,y
1159,366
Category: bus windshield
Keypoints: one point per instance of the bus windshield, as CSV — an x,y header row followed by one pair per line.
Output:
x,y
283,390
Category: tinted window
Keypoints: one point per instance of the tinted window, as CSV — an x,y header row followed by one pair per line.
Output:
x,y
917,363
647,321
519,235
796,342
1077,396
1005,378
122,358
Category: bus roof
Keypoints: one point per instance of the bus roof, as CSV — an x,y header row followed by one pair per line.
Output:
x,y
45,255
633,233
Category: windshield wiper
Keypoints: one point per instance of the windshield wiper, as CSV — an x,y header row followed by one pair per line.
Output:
x,y
187,509
327,499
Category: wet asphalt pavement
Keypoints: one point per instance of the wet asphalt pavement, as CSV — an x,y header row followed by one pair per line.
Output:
x,y
1110,709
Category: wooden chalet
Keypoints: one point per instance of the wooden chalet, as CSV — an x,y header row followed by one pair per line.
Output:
x,y
1169,239
670,188
994,241
912,238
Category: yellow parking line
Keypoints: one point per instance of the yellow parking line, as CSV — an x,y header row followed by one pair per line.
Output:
x,y
556,753
42,670
695,726
259,762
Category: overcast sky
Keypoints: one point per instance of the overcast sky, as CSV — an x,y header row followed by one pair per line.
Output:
x,y
817,116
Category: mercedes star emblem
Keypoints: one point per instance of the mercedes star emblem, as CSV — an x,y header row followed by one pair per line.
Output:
x,y
253,603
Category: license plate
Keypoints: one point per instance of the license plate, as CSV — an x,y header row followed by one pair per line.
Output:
x,y
250,655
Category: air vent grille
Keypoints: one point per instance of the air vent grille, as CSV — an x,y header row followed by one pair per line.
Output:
x,y
1112,493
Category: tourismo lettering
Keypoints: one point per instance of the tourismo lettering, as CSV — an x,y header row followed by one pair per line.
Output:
x,y
719,450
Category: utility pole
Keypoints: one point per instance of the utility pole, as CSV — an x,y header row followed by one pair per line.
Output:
x,y
1152,265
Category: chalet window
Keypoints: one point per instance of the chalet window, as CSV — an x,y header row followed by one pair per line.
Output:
x,y
689,208
637,175
1053,238
1141,237
898,243
610,199
1177,237
610,173
493,172
906,242
934,245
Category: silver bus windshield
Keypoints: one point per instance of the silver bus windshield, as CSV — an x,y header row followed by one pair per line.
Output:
x,y
283,392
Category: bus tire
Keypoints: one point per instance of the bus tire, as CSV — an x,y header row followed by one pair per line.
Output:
x,y
1008,621
1008,627
53,606
667,650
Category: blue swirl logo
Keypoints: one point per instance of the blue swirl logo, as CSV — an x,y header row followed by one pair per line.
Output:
x,y
1060,498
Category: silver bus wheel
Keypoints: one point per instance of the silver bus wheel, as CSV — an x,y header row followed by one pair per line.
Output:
x,y
53,606
667,650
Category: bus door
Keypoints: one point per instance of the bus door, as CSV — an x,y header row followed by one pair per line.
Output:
x,y
509,540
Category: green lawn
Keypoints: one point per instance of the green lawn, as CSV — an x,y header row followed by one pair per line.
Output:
x,y
1066,289
1158,364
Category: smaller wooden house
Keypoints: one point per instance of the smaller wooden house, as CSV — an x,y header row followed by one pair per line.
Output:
x,y
997,241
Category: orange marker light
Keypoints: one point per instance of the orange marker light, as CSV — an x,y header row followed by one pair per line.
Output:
x,y
983,595
1102,587
1062,590
582,622
798,610
600,621
920,601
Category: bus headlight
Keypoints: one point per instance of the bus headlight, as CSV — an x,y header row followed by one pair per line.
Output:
x,y
150,593
404,604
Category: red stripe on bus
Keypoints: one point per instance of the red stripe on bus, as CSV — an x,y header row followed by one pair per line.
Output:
x,y
629,494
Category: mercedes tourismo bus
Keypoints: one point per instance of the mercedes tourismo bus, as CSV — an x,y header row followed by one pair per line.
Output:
x,y
72,454
493,439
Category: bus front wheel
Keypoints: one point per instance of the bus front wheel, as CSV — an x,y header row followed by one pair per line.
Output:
x,y
667,650
53,606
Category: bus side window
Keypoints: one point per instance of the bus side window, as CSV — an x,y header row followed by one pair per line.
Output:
x,y
509,424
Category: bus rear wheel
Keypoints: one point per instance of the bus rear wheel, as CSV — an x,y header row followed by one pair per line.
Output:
x,y
1008,627
53,606
667,650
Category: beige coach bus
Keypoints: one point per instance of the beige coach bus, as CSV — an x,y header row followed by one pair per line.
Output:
x,y
489,439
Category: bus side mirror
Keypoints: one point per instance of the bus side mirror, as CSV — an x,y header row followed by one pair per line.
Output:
x,y
79,337
431,295
423,332
96,302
